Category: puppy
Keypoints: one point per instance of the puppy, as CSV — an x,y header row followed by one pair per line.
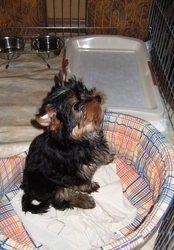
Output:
x,y
62,161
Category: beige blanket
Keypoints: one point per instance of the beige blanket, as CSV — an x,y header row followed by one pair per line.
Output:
x,y
22,88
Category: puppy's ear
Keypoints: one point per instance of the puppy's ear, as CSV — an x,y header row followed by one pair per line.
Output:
x,y
49,118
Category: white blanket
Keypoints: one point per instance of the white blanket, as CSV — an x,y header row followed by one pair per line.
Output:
x,y
80,229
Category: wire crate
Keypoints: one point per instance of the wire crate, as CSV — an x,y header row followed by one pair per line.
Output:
x,y
161,27
150,21
147,20
75,17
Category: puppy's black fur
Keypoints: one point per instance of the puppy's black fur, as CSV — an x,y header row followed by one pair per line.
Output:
x,y
62,161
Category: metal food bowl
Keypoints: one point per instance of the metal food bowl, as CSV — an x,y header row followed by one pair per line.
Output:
x,y
47,46
10,47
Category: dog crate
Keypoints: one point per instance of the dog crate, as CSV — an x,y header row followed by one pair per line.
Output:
x,y
136,141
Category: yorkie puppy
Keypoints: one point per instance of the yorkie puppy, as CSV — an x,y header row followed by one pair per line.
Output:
x,y
62,160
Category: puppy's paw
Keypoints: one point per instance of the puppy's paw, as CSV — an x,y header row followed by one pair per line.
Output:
x,y
62,205
83,201
87,202
94,187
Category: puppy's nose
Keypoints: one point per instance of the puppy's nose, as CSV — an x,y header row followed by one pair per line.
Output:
x,y
98,99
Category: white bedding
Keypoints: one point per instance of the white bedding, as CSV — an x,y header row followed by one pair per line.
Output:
x,y
82,229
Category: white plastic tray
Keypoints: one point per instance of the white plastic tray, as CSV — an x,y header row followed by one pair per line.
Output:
x,y
120,66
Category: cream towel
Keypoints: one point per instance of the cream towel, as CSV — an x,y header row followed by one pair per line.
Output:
x,y
80,229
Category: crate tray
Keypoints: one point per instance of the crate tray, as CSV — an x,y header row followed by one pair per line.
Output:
x,y
120,66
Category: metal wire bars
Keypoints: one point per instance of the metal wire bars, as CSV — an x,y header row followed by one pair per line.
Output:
x,y
165,238
75,17
118,17
162,37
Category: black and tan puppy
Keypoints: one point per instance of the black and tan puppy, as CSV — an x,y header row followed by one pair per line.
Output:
x,y
62,161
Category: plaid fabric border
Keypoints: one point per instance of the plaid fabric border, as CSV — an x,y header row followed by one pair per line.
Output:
x,y
145,164
145,150
11,170
12,233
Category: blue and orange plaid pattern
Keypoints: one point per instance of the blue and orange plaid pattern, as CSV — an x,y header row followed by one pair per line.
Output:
x,y
145,165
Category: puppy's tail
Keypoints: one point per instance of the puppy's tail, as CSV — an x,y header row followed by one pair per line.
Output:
x,y
28,206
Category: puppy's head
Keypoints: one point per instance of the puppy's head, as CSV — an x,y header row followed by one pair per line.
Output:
x,y
73,109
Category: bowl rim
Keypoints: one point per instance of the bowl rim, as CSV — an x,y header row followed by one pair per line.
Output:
x,y
35,47
22,45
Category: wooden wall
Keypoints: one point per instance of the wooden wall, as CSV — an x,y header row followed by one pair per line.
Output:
x,y
25,13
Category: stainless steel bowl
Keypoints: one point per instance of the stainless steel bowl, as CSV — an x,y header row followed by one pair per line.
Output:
x,y
47,46
10,47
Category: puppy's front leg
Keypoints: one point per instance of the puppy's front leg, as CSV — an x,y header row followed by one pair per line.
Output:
x,y
109,158
86,173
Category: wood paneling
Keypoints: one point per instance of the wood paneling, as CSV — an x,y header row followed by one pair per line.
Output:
x,y
25,13
130,17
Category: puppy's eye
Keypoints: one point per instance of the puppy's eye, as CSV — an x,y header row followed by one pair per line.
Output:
x,y
98,99
76,106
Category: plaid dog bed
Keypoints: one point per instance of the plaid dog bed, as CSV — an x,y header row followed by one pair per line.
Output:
x,y
145,165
